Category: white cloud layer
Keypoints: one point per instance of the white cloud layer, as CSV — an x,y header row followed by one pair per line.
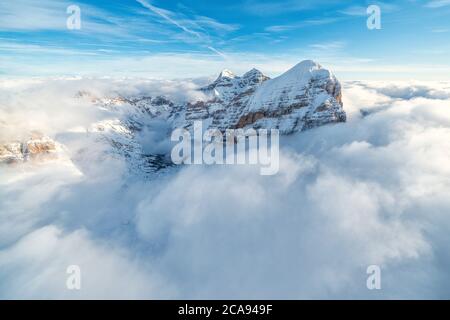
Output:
x,y
370,191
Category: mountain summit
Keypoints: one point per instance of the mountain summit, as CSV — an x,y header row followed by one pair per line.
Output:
x,y
226,74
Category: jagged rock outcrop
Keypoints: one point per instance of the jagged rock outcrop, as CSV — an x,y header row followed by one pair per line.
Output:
x,y
11,152
37,148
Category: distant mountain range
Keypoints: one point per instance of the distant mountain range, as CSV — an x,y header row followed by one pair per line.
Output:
x,y
304,97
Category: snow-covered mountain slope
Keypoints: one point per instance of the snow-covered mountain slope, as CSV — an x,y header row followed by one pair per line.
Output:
x,y
118,134
304,97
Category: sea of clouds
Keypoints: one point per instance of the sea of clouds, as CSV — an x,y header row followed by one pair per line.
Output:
x,y
371,191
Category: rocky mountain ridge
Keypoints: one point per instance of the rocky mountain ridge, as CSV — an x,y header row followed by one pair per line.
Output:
x,y
304,97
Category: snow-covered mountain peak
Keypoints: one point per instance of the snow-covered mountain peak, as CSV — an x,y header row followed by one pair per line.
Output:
x,y
302,73
228,86
306,65
226,74
254,76
252,73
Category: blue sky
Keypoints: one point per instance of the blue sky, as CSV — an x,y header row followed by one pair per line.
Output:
x,y
190,38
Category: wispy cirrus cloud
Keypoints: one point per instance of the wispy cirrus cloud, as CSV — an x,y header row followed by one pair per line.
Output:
x,y
123,26
270,8
354,11
31,48
332,45
166,15
27,15
302,24
437,3
97,24
360,10
194,28
440,30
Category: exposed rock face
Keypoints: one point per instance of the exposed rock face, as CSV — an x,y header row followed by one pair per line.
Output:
x,y
11,152
37,148
249,119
